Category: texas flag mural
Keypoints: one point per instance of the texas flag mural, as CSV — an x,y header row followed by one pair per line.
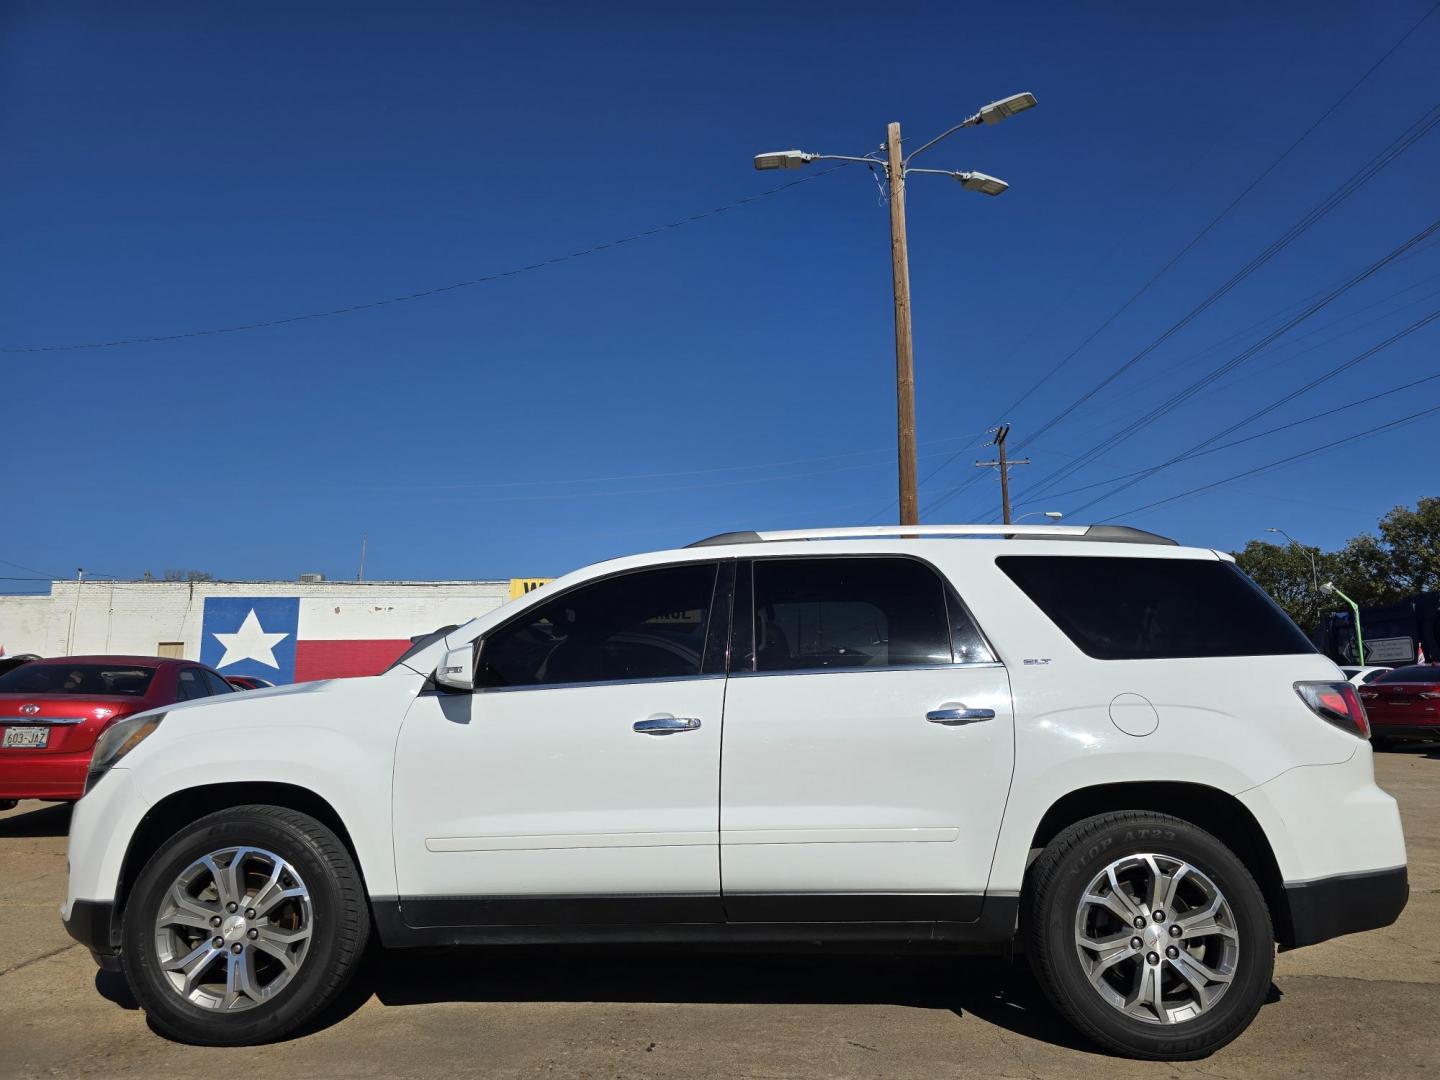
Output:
x,y
289,639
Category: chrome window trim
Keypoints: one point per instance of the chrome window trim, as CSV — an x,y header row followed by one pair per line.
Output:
x,y
598,682
876,670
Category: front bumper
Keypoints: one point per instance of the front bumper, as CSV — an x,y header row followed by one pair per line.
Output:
x,y
1345,904
92,924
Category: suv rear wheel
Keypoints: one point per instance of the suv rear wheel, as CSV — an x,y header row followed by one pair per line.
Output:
x,y
1150,935
243,926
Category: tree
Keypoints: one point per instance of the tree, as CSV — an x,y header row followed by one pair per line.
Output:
x,y
1412,538
187,575
1372,570
1283,571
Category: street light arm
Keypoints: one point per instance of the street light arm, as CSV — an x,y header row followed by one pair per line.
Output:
x,y
970,122
842,157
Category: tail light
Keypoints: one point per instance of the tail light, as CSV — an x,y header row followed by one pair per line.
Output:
x,y
1338,703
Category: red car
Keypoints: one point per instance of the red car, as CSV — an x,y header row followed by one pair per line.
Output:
x,y
1404,704
53,710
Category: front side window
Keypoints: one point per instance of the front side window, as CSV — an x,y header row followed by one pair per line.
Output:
x,y
1117,608
848,613
647,625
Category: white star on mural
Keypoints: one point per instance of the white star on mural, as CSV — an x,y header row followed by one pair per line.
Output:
x,y
250,642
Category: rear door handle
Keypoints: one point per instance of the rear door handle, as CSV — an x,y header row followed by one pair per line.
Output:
x,y
955,715
666,725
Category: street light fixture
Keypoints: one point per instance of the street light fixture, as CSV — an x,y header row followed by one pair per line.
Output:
x,y
1006,108
897,167
1309,552
978,181
1053,515
783,159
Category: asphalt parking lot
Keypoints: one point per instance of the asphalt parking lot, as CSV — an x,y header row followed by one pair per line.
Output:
x,y
1356,1007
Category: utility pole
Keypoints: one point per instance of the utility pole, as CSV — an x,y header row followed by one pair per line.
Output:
x,y
897,167
1004,464
904,343
364,542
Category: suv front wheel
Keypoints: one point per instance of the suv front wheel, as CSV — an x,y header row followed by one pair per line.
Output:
x,y
1150,935
243,926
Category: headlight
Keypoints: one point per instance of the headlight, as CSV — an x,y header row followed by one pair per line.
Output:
x,y
117,741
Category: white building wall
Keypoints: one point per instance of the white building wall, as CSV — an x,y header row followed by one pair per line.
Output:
x,y
136,617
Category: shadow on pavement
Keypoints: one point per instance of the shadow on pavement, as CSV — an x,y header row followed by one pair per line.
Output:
x,y
993,990
111,985
47,819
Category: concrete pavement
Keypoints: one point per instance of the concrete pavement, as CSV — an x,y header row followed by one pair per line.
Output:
x,y
1356,1007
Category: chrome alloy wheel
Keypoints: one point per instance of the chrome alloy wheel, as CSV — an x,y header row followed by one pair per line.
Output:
x,y
1156,938
234,928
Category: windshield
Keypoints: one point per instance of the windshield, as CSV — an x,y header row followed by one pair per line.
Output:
x,y
424,641
127,680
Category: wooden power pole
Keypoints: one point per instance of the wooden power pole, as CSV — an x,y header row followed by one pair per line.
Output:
x,y
904,347
1003,465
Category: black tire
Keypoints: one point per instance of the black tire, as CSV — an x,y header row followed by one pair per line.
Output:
x,y
1055,885
341,926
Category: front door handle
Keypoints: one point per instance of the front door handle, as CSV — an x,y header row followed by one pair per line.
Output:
x,y
955,715
666,725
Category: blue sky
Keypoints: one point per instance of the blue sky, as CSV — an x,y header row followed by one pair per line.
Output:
x,y
181,167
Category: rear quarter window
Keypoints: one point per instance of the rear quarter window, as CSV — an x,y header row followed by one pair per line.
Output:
x,y
1116,608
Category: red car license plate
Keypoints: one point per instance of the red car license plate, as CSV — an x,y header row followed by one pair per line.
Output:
x,y
29,738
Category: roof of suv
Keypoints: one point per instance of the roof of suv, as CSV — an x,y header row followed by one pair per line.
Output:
x,y
1113,534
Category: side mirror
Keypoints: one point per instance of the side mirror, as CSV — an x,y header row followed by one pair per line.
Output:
x,y
457,669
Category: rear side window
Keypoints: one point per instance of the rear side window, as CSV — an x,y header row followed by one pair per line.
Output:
x,y
854,613
1145,609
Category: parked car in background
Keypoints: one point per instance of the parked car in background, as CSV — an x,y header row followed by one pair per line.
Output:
x,y
1114,750
53,710
1362,675
248,682
8,663
1404,703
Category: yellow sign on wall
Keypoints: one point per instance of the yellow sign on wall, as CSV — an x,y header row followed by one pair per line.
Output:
x,y
519,586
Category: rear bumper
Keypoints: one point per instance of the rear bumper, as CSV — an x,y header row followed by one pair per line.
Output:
x,y
43,776
1345,904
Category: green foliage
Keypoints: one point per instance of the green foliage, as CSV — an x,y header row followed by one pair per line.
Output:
x,y
1402,560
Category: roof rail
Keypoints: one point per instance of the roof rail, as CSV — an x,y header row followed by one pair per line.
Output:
x,y
1112,534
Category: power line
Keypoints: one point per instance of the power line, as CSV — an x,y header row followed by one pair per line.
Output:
x,y
1412,134
1220,216
1179,398
1276,464
1166,375
1362,176
1355,404
1418,324
423,293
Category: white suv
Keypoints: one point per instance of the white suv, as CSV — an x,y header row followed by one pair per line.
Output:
x,y
1113,752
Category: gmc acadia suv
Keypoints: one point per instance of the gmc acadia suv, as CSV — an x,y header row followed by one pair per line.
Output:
x,y
1113,753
